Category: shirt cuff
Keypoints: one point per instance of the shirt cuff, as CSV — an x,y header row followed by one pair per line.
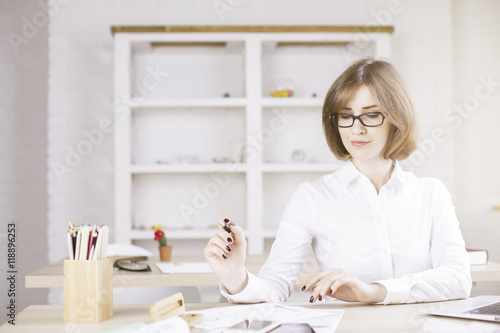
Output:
x,y
244,296
397,291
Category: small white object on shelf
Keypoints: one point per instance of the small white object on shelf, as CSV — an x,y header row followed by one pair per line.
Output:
x,y
477,257
127,250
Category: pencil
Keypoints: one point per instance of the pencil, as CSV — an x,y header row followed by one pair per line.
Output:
x,y
78,241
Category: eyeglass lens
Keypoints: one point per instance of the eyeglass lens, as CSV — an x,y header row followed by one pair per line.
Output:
x,y
367,119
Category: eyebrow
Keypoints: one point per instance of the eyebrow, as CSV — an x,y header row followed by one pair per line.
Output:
x,y
364,108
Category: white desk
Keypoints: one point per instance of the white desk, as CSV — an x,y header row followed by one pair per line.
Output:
x,y
357,318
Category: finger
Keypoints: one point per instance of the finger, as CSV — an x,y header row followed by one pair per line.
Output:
x,y
325,289
238,233
335,286
314,280
224,221
212,250
222,244
321,289
223,235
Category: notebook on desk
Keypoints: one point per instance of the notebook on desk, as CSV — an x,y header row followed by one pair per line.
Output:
x,y
485,308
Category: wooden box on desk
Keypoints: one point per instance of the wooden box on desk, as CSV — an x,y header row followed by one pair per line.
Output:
x,y
88,290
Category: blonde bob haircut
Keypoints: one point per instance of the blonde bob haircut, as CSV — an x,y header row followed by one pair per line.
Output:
x,y
390,92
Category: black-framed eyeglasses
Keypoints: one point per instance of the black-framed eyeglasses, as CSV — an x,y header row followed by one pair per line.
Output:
x,y
132,265
369,119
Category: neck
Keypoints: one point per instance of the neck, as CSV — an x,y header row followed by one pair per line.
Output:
x,y
378,171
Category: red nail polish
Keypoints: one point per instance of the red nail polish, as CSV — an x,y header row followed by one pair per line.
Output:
x,y
303,288
226,220
228,248
229,240
311,299
320,298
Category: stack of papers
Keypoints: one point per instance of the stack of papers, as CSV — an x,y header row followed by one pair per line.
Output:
x,y
217,319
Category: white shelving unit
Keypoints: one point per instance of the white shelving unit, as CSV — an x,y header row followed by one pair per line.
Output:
x,y
171,121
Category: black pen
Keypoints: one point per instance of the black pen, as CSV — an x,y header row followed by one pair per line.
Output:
x,y
223,221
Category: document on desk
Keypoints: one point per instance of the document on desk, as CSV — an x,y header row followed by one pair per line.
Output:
x,y
217,319
184,268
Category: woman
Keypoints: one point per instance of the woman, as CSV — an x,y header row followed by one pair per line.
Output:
x,y
380,234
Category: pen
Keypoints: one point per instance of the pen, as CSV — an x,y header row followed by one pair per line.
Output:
x,y
97,249
226,220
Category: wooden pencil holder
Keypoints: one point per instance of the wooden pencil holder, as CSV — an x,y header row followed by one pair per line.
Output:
x,y
88,290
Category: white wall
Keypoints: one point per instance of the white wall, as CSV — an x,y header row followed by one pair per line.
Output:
x,y
81,79
476,51
23,147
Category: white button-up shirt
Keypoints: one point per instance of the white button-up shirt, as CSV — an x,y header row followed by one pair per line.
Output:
x,y
406,238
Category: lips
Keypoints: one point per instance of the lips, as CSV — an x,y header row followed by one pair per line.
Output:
x,y
359,143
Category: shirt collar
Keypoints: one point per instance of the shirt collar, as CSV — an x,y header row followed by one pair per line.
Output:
x,y
348,172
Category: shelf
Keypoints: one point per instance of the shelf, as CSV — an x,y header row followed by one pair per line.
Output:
x,y
231,168
188,103
193,233
292,101
174,234
187,168
226,102
300,167
183,121
253,29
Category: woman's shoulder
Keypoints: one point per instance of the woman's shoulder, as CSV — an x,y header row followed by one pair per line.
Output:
x,y
316,186
424,182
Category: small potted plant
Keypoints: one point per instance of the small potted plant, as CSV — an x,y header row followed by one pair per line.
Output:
x,y
165,250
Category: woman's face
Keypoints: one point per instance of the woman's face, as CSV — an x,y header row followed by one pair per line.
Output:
x,y
362,142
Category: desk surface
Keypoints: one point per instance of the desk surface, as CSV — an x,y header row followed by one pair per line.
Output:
x,y
52,276
357,318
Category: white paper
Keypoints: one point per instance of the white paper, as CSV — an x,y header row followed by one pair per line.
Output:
x,y
217,319
184,268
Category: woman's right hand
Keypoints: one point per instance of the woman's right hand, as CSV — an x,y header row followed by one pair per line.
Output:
x,y
226,256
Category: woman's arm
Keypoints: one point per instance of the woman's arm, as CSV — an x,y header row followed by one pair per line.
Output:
x,y
449,277
274,282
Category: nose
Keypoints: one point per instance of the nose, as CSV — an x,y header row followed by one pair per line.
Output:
x,y
358,128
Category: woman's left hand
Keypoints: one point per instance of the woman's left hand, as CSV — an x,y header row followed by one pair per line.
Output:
x,y
339,284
